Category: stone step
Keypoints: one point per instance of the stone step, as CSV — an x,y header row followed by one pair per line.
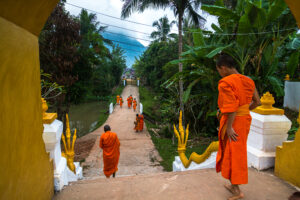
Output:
x,y
195,184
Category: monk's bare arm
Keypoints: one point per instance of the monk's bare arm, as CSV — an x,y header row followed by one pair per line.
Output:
x,y
255,100
232,135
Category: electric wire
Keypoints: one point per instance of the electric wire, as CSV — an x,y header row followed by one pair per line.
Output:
x,y
127,36
125,28
134,22
221,34
127,43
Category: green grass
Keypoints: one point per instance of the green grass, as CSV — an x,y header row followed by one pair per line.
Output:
x,y
168,151
293,116
102,119
150,102
112,99
164,146
117,91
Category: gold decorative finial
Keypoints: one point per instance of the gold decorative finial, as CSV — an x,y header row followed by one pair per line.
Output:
x,y
48,118
266,108
287,77
267,100
182,141
44,107
69,149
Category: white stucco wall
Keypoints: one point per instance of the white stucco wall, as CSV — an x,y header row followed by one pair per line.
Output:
x,y
292,95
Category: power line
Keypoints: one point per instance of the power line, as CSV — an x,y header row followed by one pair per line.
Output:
x,y
127,43
131,50
251,33
222,34
127,36
134,22
124,28
130,21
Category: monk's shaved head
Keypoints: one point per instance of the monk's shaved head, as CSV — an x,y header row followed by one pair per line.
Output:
x,y
226,61
106,128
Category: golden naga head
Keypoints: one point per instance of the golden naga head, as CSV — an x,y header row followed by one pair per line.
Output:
x,y
182,137
69,148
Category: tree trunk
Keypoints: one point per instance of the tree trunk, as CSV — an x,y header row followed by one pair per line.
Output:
x,y
180,64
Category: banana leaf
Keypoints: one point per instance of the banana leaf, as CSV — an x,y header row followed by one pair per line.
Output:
x,y
220,12
293,63
276,9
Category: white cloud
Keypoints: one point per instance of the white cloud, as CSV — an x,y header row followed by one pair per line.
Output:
x,y
114,7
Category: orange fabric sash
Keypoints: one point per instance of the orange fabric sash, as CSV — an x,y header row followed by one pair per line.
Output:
x,y
241,111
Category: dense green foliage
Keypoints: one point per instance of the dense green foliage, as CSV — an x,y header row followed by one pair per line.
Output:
x,y
73,51
163,27
161,135
150,65
112,98
188,8
260,35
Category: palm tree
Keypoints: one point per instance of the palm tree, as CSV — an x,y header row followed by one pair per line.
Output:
x,y
163,29
180,8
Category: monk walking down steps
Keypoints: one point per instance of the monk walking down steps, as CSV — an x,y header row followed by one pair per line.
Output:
x,y
121,102
110,145
141,125
118,99
137,123
129,102
237,95
134,105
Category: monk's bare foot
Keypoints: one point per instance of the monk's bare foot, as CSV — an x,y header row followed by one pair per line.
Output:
x,y
230,188
237,196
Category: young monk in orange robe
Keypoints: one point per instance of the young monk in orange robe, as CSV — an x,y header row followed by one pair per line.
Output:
x,y
128,102
121,102
110,144
141,124
134,105
131,100
118,99
237,95
137,123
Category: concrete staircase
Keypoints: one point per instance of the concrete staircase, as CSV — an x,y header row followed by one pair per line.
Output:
x,y
196,184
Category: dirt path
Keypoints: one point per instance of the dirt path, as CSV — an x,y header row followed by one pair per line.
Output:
x,y
191,185
139,157
137,152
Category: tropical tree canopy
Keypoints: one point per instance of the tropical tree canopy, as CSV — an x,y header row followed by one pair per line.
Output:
x,y
163,29
180,8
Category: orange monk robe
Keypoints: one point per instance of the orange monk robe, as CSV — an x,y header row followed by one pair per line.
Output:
x,y
235,92
110,144
128,102
131,100
137,124
121,102
134,105
141,123
118,99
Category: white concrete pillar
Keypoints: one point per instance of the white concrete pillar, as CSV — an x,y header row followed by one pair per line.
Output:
x,y
141,108
292,95
210,162
124,82
111,108
52,136
266,132
138,82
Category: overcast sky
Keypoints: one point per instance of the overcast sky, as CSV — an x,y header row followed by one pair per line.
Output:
x,y
114,7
